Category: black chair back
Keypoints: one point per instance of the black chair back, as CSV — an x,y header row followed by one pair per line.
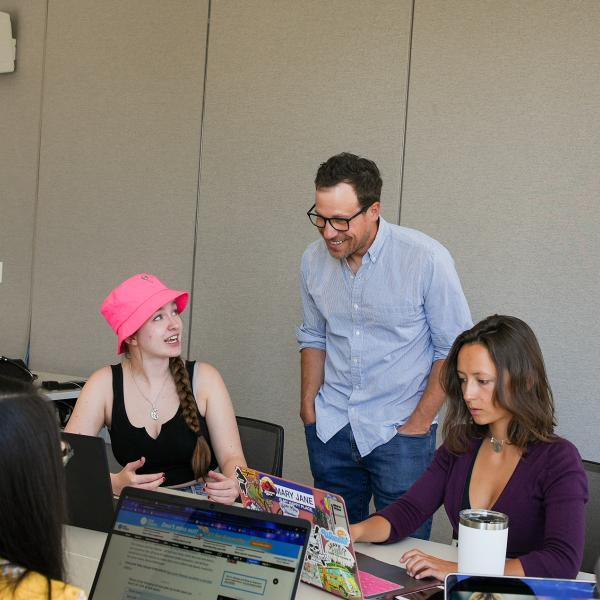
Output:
x,y
262,443
591,551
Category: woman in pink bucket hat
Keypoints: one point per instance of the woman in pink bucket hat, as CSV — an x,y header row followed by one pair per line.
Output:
x,y
171,423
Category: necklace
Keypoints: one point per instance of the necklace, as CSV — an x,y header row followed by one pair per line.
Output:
x,y
496,444
154,411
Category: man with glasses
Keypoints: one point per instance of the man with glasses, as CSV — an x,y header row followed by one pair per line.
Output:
x,y
382,306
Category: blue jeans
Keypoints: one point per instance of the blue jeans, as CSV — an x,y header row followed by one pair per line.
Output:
x,y
384,474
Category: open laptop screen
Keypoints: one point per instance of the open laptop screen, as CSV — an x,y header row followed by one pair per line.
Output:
x,y
166,546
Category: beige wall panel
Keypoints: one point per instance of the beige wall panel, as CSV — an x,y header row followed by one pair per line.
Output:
x,y
288,84
20,100
502,156
119,165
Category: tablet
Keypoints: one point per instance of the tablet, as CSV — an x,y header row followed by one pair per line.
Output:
x,y
480,587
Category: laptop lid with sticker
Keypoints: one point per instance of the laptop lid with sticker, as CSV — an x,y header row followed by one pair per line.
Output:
x,y
331,562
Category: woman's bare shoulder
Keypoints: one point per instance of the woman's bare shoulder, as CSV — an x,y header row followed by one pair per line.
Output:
x,y
100,381
206,370
209,380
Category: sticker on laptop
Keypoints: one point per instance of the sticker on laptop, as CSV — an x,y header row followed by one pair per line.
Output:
x,y
330,562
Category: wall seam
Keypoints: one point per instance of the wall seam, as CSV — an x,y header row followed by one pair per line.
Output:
x,y
406,99
37,186
199,182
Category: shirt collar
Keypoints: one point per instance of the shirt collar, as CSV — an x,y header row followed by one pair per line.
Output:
x,y
382,233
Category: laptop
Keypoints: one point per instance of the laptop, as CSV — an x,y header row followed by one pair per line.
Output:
x,y
331,562
463,587
89,491
180,546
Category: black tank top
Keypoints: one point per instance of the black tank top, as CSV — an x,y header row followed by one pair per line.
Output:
x,y
171,452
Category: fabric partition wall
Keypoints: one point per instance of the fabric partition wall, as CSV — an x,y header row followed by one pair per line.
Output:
x,y
288,85
501,165
20,101
119,163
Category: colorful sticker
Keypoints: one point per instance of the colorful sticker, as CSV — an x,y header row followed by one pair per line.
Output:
x,y
341,554
329,563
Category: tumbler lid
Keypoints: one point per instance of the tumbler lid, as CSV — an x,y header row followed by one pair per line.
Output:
x,y
479,518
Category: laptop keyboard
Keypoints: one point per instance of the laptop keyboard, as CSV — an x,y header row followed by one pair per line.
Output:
x,y
371,584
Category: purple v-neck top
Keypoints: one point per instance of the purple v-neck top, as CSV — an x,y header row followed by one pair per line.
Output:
x,y
544,500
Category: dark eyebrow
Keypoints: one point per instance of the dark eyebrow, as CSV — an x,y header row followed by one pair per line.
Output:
x,y
476,373
334,217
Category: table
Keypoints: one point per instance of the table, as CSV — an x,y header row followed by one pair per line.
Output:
x,y
67,398
84,548
55,395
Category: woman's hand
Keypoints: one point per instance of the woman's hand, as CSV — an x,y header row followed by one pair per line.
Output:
x,y
221,488
128,477
420,565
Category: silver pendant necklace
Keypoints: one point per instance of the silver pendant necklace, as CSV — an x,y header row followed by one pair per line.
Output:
x,y
154,411
496,444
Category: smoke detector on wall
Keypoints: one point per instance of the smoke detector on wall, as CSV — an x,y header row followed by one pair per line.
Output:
x,y
8,45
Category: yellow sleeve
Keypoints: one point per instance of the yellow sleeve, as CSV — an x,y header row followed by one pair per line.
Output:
x,y
35,587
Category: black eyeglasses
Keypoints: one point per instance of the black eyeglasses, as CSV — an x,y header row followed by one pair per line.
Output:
x,y
338,223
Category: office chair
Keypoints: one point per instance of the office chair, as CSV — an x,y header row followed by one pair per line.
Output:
x,y
591,551
262,443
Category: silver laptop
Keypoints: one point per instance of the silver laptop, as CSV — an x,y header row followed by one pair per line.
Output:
x,y
331,562
180,547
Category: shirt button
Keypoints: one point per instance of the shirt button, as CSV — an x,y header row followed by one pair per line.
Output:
x,y
357,332
355,360
356,307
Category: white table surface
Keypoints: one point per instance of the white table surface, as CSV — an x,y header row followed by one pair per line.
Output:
x,y
84,548
61,378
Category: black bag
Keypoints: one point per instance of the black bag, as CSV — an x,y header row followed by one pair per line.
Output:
x,y
15,368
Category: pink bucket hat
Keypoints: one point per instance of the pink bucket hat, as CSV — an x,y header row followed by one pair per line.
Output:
x,y
133,302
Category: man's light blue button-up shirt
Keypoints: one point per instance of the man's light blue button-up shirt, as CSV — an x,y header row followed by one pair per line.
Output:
x,y
381,329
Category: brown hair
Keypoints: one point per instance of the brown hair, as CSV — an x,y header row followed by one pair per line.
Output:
x,y
361,173
201,457
521,386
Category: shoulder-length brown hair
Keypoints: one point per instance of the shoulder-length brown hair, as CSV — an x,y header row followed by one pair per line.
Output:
x,y
521,385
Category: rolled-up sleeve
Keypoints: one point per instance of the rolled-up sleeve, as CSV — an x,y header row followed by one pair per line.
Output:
x,y
446,307
311,332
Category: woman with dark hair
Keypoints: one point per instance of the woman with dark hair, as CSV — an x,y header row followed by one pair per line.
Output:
x,y
171,423
500,452
32,498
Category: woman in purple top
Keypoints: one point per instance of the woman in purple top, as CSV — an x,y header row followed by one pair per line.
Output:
x,y
499,452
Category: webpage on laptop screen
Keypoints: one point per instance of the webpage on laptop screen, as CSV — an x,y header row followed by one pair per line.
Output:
x,y
159,552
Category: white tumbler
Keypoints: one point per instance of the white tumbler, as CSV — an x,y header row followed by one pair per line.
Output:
x,y
482,537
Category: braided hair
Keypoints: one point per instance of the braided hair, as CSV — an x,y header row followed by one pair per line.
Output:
x,y
201,457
